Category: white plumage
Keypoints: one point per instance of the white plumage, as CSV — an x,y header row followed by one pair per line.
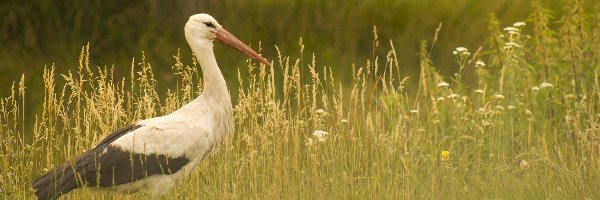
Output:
x,y
156,153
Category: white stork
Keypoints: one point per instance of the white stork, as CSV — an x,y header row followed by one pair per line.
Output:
x,y
154,154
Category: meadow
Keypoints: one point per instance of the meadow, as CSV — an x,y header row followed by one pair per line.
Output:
x,y
519,119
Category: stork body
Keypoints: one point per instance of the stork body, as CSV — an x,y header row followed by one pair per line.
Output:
x,y
156,153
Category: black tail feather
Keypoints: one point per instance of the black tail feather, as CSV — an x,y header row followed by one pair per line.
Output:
x,y
79,172
56,182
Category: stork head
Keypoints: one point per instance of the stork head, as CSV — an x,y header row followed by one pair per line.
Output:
x,y
205,28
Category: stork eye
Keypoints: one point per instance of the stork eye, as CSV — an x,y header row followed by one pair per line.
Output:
x,y
209,24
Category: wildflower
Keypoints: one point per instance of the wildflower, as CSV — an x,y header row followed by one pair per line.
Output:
x,y
511,107
309,142
510,28
454,52
344,121
479,91
501,36
481,109
523,164
443,84
480,63
441,99
511,44
461,49
320,111
499,97
414,111
445,155
513,32
519,24
546,85
453,96
499,108
321,135
570,96
535,89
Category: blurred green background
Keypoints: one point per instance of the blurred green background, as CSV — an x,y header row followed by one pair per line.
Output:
x,y
35,33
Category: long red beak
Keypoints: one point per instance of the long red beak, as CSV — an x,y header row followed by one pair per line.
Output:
x,y
229,40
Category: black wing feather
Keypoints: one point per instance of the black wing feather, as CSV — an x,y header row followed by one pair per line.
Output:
x,y
105,166
117,134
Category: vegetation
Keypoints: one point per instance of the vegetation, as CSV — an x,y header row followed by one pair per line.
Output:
x,y
36,33
518,120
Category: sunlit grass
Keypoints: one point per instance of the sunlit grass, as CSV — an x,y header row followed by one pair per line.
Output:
x,y
527,128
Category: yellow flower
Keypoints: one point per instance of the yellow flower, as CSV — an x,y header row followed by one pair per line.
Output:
x,y
445,155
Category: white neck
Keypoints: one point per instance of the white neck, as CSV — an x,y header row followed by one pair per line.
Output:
x,y
214,82
214,102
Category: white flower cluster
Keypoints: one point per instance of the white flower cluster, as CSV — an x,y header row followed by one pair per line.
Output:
x,y
453,96
461,51
519,24
513,31
321,135
443,84
542,86
546,85
510,45
479,63
499,97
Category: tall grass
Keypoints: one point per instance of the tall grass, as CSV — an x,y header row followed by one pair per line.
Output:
x,y
527,128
